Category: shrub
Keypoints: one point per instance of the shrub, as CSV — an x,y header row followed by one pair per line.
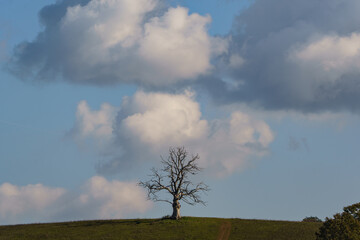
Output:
x,y
344,226
312,219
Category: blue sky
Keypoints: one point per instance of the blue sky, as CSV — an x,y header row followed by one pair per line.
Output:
x,y
266,92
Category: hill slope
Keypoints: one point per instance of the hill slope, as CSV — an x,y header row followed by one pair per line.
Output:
x,y
144,229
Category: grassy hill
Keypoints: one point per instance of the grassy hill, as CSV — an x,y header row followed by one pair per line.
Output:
x,y
146,229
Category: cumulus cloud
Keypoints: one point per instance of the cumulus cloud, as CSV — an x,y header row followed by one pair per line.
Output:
x,y
27,201
118,41
95,126
147,124
299,55
333,55
116,198
160,119
97,199
231,143
280,55
103,199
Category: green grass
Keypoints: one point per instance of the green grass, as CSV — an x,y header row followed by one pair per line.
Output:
x,y
273,230
146,229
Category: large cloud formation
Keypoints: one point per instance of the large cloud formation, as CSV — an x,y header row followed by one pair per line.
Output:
x,y
117,41
97,199
148,123
301,55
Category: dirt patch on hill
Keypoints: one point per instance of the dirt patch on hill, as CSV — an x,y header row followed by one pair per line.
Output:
x,y
224,232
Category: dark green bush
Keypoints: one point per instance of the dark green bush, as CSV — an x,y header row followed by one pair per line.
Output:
x,y
344,226
312,219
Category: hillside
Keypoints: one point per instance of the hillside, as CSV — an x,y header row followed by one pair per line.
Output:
x,y
144,229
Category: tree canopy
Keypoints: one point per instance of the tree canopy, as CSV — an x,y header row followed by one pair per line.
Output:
x,y
343,226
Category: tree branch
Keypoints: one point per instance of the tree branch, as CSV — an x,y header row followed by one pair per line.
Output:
x,y
176,169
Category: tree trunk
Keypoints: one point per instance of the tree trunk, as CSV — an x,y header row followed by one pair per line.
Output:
x,y
176,210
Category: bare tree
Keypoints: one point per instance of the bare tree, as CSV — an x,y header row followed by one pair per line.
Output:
x,y
174,179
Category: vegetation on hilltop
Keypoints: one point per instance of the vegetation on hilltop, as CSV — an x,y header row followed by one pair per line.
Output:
x,y
144,229
344,226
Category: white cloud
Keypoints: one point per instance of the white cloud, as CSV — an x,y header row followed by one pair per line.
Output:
x,y
127,41
96,125
114,199
153,122
97,199
27,200
162,119
176,46
333,54
106,23
233,142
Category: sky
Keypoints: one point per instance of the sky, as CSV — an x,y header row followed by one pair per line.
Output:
x,y
93,92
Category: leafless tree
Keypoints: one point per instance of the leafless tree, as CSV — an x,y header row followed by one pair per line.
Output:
x,y
174,179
